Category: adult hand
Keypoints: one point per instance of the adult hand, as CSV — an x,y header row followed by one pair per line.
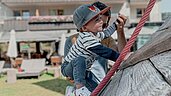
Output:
x,y
121,21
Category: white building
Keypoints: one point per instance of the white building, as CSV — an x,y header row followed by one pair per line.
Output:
x,y
47,15
43,17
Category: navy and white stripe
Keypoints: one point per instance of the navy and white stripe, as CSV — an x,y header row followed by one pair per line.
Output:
x,y
87,40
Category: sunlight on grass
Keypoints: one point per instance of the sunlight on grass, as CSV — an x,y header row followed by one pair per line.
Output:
x,y
46,85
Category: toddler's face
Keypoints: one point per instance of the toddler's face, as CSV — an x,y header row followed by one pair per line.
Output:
x,y
95,25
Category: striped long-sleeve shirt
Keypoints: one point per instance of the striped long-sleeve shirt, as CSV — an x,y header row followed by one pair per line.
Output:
x,y
88,45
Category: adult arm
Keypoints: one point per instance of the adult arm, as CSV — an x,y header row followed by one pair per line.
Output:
x,y
120,33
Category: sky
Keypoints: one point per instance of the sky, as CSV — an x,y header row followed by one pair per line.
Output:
x,y
165,5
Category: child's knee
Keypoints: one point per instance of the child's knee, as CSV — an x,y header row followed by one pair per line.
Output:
x,y
80,60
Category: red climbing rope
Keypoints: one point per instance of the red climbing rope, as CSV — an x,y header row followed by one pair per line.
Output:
x,y
125,50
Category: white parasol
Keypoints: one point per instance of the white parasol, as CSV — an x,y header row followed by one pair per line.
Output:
x,y
12,47
61,45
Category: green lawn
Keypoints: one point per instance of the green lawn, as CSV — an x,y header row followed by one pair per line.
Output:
x,y
46,85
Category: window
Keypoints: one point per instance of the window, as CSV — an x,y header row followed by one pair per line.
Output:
x,y
17,13
60,12
26,14
54,12
140,12
142,40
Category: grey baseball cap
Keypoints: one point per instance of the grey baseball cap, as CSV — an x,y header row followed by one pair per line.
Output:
x,y
83,14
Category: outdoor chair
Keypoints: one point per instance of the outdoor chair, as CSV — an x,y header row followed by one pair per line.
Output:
x,y
1,67
32,68
18,62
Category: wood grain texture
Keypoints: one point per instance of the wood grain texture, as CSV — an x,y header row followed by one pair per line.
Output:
x,y
163,64
139,80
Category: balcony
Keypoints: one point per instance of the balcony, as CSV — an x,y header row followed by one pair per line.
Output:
x,y
138,2
38,23
54,2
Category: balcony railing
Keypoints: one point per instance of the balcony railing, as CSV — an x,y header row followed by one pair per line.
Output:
x,y
43,19
41,23
53,2
40,1
136,2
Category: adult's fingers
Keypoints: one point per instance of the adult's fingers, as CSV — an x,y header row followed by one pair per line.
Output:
x,y
121,21
123,17
120,24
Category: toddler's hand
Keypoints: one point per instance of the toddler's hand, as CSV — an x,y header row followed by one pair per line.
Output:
x,y
69,79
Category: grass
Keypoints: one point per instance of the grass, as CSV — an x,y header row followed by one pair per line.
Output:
x,y
46,85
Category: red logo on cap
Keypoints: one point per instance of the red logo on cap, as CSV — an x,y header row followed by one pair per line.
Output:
x,y
92,8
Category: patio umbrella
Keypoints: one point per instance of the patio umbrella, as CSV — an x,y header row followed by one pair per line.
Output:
x,y
37,12
61,45
12,47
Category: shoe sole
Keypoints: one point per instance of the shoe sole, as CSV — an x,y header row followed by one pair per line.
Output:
x,y
69,90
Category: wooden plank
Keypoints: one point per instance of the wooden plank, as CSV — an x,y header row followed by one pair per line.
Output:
x,y
141,79
111,87
163,63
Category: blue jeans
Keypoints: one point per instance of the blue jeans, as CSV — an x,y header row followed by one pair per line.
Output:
x,y
76,69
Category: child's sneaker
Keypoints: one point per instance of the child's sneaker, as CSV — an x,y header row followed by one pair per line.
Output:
x,y
69,91
83,91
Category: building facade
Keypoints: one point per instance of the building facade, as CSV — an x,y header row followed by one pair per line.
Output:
x,y
49,18
40,13
53,15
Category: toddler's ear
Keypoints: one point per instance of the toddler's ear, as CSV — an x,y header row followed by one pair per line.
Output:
x,y
84,28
